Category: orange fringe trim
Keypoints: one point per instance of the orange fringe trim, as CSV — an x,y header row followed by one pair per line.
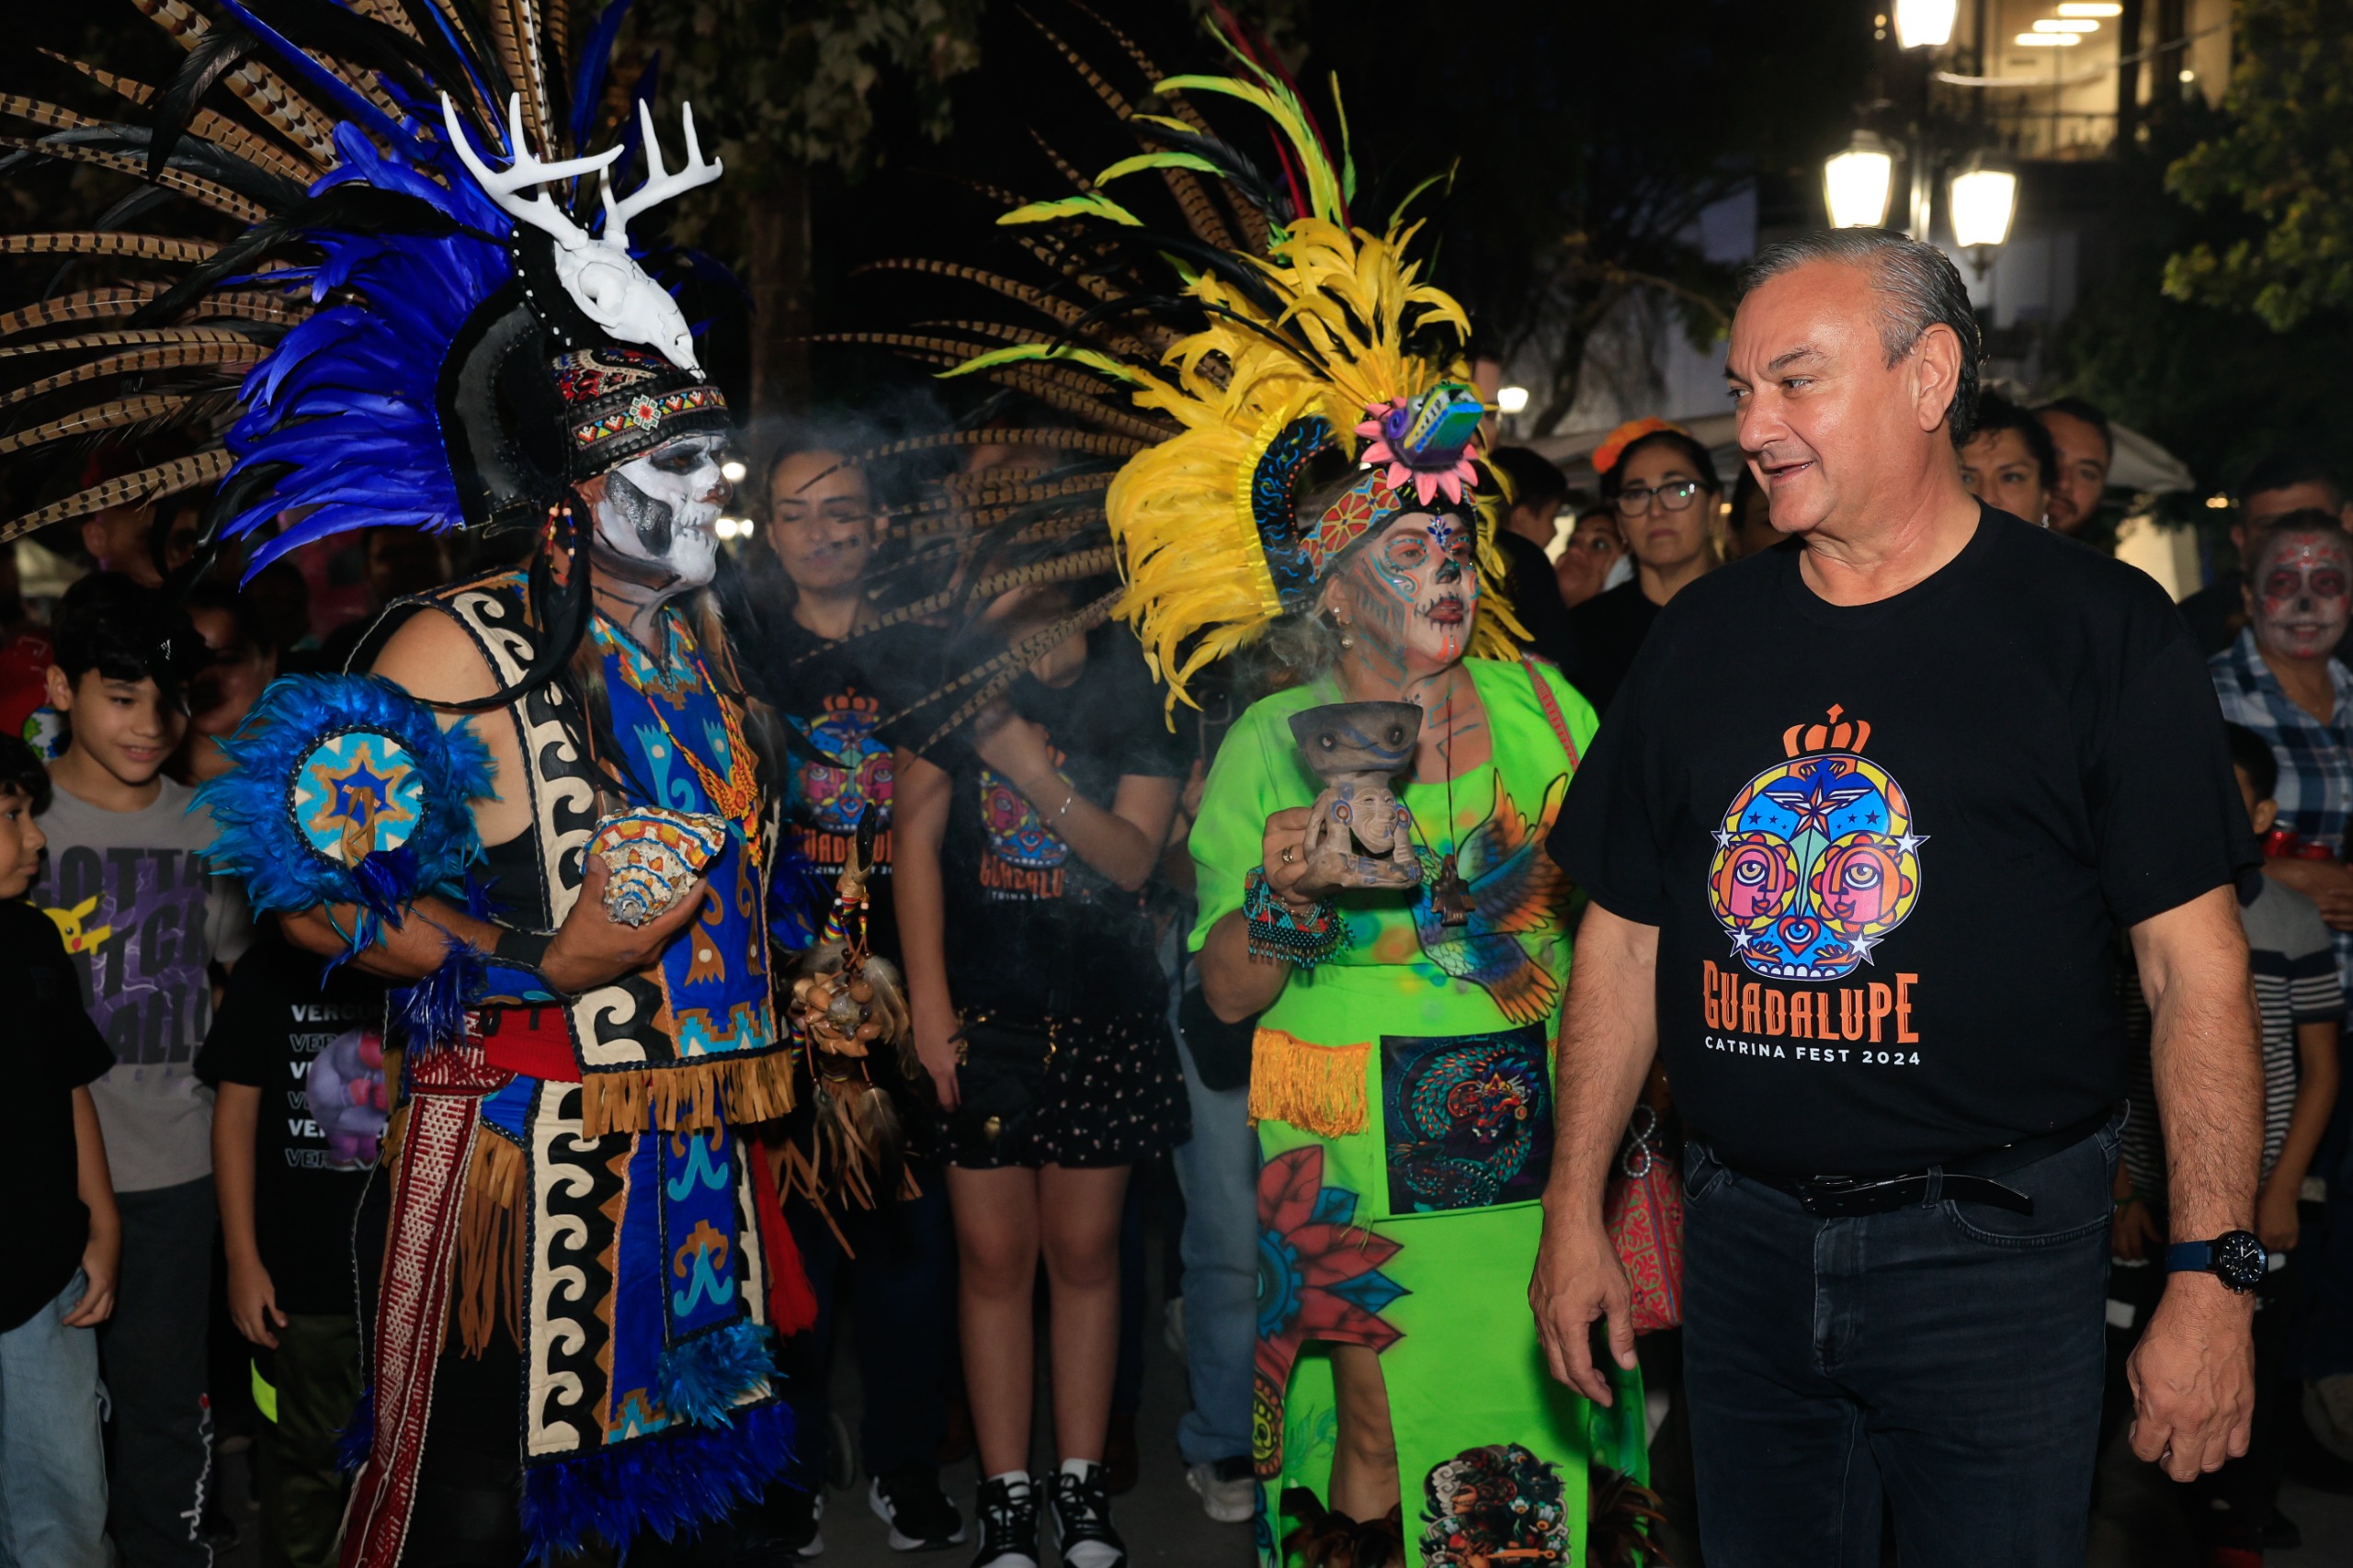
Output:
x,y
687,1097
1317,1088
488,1290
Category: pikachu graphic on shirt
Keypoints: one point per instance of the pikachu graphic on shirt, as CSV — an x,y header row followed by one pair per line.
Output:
x,y
69,926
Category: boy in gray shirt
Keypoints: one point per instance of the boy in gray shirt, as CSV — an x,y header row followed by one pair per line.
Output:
x,y
143,922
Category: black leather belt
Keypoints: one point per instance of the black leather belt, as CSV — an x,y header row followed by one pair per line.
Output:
x,y
1968,1180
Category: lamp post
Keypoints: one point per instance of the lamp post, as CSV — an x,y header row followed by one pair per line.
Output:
x,y
1925,24
1983,199
1856,183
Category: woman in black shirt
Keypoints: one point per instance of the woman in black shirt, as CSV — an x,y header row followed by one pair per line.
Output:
x,y
1670,504
1024,845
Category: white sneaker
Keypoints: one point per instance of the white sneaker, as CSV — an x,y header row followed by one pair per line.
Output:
x,y
1228,1490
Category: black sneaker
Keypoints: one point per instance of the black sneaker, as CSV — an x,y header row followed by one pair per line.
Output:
x,y
785,1519
919,1514
1082,1520
1007,1511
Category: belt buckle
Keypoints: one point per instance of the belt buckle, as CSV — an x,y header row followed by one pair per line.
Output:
x,y
1838,1197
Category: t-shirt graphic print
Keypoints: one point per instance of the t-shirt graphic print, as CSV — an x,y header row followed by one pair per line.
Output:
x,y
1024,859
1817,859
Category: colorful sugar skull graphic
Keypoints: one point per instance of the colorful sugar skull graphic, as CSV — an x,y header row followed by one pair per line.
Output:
x,y
1018,835
833,798
1816,859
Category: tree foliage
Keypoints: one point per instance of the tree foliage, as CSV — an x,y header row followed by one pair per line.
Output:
x,y
2279,179
798,81
1589,140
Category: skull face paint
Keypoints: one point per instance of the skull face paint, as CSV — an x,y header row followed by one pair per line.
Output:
x,y
659,510
2300,593
1416,589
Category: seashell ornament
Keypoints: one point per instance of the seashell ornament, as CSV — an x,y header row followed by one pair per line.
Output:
x,y
652,855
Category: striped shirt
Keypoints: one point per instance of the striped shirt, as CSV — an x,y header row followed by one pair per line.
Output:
x,y
2315,791
2295,982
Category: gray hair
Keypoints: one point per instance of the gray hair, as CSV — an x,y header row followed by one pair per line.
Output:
x,y
1918,286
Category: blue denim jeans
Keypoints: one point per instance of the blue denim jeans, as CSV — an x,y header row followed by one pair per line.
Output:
x,y
1218,1169
897,1294
52,1460
1944,1360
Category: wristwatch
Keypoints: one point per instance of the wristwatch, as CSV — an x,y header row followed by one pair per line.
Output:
x,y
2234,1257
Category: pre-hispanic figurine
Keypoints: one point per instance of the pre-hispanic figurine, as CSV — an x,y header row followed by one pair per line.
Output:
x,y
1361,835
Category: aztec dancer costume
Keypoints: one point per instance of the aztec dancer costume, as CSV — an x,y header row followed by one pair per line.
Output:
x,y
1278,405
428,335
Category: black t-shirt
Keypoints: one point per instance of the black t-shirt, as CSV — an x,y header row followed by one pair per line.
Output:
x,y
1033,932
317,1055
825,692
58,1050
1535,595
1889,847
1610,630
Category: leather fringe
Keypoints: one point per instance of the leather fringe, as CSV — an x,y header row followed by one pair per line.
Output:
x,y
1317,1088
489,1286
687,1097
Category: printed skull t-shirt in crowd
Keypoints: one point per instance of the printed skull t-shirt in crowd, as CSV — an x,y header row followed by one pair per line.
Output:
x,y
825,693
143,920
313,1044
1033,933
1889,863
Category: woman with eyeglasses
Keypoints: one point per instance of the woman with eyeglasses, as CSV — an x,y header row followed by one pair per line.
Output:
x,y
1669,509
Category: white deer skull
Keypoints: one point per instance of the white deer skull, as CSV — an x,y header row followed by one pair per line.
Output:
x,y
609,288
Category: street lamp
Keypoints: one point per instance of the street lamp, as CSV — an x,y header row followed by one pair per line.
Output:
x,y
1983,199
1924,24
1511,400
1856,183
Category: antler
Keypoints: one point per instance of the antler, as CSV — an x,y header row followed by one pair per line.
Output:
x,y
660,184
541,210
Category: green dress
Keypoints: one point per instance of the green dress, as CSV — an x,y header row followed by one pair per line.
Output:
x,y
1403,1091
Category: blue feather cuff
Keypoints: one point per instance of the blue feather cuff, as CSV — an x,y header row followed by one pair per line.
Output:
x,y
346,790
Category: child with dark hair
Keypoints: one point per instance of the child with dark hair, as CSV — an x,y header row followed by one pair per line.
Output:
x,y
296,1062
64,1231
143,920
2301,1005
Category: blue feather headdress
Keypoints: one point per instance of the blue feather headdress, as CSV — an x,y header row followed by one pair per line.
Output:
x,y
423,324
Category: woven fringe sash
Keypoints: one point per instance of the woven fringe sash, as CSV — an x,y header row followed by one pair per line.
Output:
x,y
437,1150
1317,1088
489,1286
688,1097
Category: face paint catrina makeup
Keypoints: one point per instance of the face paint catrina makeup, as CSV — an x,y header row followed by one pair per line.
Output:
x,y
1417,588
2303,594
660,510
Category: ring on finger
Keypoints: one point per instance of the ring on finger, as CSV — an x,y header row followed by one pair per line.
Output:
x,y
1290,853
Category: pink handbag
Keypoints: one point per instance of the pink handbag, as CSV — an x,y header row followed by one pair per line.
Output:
x,y
1643,1210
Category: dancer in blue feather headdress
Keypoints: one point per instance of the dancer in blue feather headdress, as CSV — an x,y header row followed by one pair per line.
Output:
x,y
423,324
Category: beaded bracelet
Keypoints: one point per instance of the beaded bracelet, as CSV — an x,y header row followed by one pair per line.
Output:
x,y
1275,932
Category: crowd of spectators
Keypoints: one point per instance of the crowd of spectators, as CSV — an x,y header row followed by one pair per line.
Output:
x,y
239,1093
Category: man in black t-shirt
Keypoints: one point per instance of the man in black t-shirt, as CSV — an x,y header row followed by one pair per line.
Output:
x,y
296,1061
1859,851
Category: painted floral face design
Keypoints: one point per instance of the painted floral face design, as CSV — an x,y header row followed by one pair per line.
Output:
x,y
1417,588
661,509
2301,595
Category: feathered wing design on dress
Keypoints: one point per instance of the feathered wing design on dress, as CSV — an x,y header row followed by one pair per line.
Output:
x,y
1515,888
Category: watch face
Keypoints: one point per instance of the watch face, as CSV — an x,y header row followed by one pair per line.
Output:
x,y
2239,1260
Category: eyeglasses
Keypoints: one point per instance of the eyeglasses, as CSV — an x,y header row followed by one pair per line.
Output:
x,y
1635,499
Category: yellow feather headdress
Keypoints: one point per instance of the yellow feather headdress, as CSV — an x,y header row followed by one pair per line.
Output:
x,y
1311,347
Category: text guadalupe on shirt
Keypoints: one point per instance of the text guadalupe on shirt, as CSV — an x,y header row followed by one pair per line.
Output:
x,y
1865,1023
